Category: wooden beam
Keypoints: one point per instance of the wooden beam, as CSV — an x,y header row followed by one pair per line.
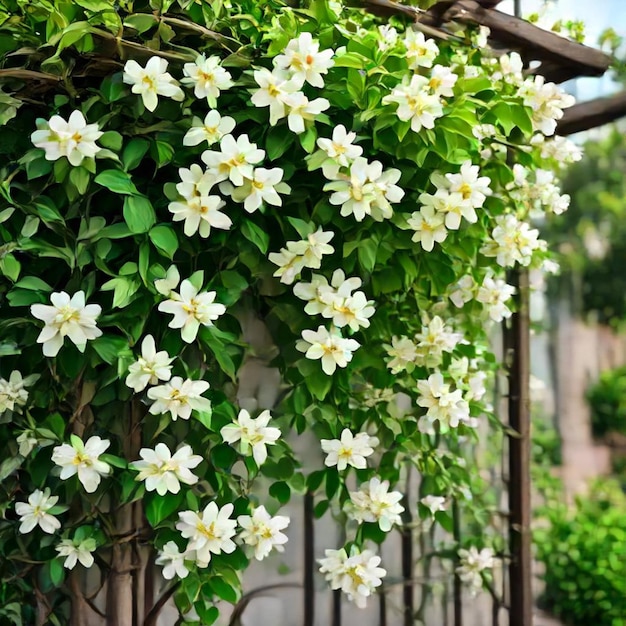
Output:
x,y
591,114
555,73
517,352
533,42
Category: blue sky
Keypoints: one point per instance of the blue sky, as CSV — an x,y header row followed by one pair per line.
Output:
x,y
597,15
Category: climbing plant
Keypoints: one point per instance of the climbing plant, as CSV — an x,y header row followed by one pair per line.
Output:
x,y
189,189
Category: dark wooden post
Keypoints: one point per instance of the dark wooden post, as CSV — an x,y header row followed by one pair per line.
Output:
x,y
517,352
309,561
457,584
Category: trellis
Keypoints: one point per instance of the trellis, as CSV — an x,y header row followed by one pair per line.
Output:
x,y
558,59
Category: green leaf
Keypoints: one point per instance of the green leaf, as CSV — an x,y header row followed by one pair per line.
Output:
x,y
34,283
351,59
367,254
208,615
139,214
109,348
159,507
320,508
223,590
281,491
141,22
113,460
10,267
278,142
116,181
57,572
79,177
256,235
134,152
164,239
112,140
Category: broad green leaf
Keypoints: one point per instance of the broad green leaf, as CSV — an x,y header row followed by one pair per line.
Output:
x,y
117,182
256,235
139,214
164,239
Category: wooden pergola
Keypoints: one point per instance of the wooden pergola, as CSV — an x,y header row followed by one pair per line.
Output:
x,y
558,59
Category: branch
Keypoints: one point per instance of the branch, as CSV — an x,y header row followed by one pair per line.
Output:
x,y
151,618
29,75
241,606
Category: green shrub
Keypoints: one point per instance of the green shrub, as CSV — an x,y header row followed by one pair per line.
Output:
x,y
584,553
607,399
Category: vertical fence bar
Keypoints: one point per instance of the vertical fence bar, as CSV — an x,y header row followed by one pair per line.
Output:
x,y
309,561
336,607
517,350
382,606
457,584
408,595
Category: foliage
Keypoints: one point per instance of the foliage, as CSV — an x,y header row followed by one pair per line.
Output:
x,y
584,553
606,398
590,237
107,225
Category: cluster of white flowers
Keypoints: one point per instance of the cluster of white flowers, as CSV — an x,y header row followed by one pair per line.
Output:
x,y
350,450
300,254
83,459
457,196
338,301
13,393
356,575
547,102
467,375
561,150
447,407
364,188
537,192
74,139
473,563
213,531
281,89
66,317
427,347
163,471
494,294
512,241
373,502
251,433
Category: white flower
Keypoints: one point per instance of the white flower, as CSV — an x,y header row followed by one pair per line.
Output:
x,y
340,150
447,407
35,512
289,264
434,503
512,241
388,37
304,61
67,317
429,227
329,346
313,248
194,182
75,552
191,310
207,77
313,293
402,352
301,109
420,52
259,188
353,311
262,532
494,293
152,81
83,459
253,433
463,291
211,130
472,564
13,394
547,102
235,159
356,575
442,80
415,103
27,442
511,69
452,206
484,131
200,214
150,367
561,149
434,339
373,502
274,88
163,471
473,188
173,561
74,139
349,450
165,286
209,533
179,398
366,190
